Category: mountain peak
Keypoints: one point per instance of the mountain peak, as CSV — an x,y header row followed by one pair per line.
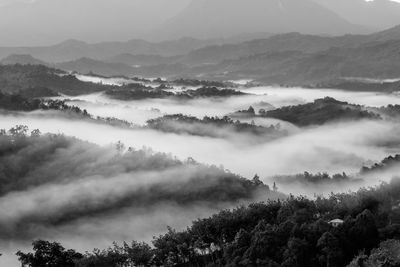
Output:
x,y
225,18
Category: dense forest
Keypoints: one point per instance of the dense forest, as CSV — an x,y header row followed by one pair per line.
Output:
x,y
360,85
221,127
47,81
309,179
139,92
321,111
353,229
32,163
385,164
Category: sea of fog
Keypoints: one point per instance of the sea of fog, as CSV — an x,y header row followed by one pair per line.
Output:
x,y
333,148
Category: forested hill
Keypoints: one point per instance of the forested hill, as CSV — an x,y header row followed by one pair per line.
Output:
x,y
321,111
33,164
353,229
45,80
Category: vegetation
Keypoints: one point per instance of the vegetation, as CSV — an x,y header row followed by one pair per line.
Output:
x,y
202,83
307,178
20,103
29,161
49,254
209,92
142,92
20,78
295,232
211,126
320,111
385,164
248,113
360,85
138,93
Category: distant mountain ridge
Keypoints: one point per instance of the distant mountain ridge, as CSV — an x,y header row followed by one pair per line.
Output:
x,y
376,14
290,59
221,18
75,49
21,59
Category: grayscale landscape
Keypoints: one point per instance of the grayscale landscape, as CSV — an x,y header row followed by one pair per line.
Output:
x,y
199,133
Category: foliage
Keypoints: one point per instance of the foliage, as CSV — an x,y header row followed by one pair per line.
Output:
x,y
49,254
19,78
211,126
307,178
385,164
139,92
294,232
35,161
320,111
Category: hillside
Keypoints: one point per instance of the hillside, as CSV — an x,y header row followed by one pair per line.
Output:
x,y
75,49
142,60
87,65
21,59
379,60
341,230
47,81
321,111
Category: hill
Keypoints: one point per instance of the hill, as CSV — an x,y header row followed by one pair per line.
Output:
x,y
21,59
44,80
320,111
142,60
87,65
74,49
351,229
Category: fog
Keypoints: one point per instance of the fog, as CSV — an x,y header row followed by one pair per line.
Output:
x,y
333,148
87,196
339,147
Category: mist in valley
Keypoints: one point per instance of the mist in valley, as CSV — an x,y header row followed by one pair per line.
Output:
x,y
219,133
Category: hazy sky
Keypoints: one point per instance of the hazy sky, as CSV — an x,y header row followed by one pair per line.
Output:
x,y
44,22
36,22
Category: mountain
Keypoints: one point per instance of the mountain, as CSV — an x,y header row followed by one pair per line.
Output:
x,y
75,49
87,65
142,60
378,60
21,59
222,18
321,111
43,81
385,35
282,42
377,14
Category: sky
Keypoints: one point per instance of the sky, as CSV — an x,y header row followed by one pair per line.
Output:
x,y
46,22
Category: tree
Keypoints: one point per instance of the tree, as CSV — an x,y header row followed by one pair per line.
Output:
x,y
331,254
297,253
388,254
36,133
275,187
49,255
364,226
19,131
139,254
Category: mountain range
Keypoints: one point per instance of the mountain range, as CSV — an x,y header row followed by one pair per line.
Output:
x,y
290,59
376,15
222,18
48,21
